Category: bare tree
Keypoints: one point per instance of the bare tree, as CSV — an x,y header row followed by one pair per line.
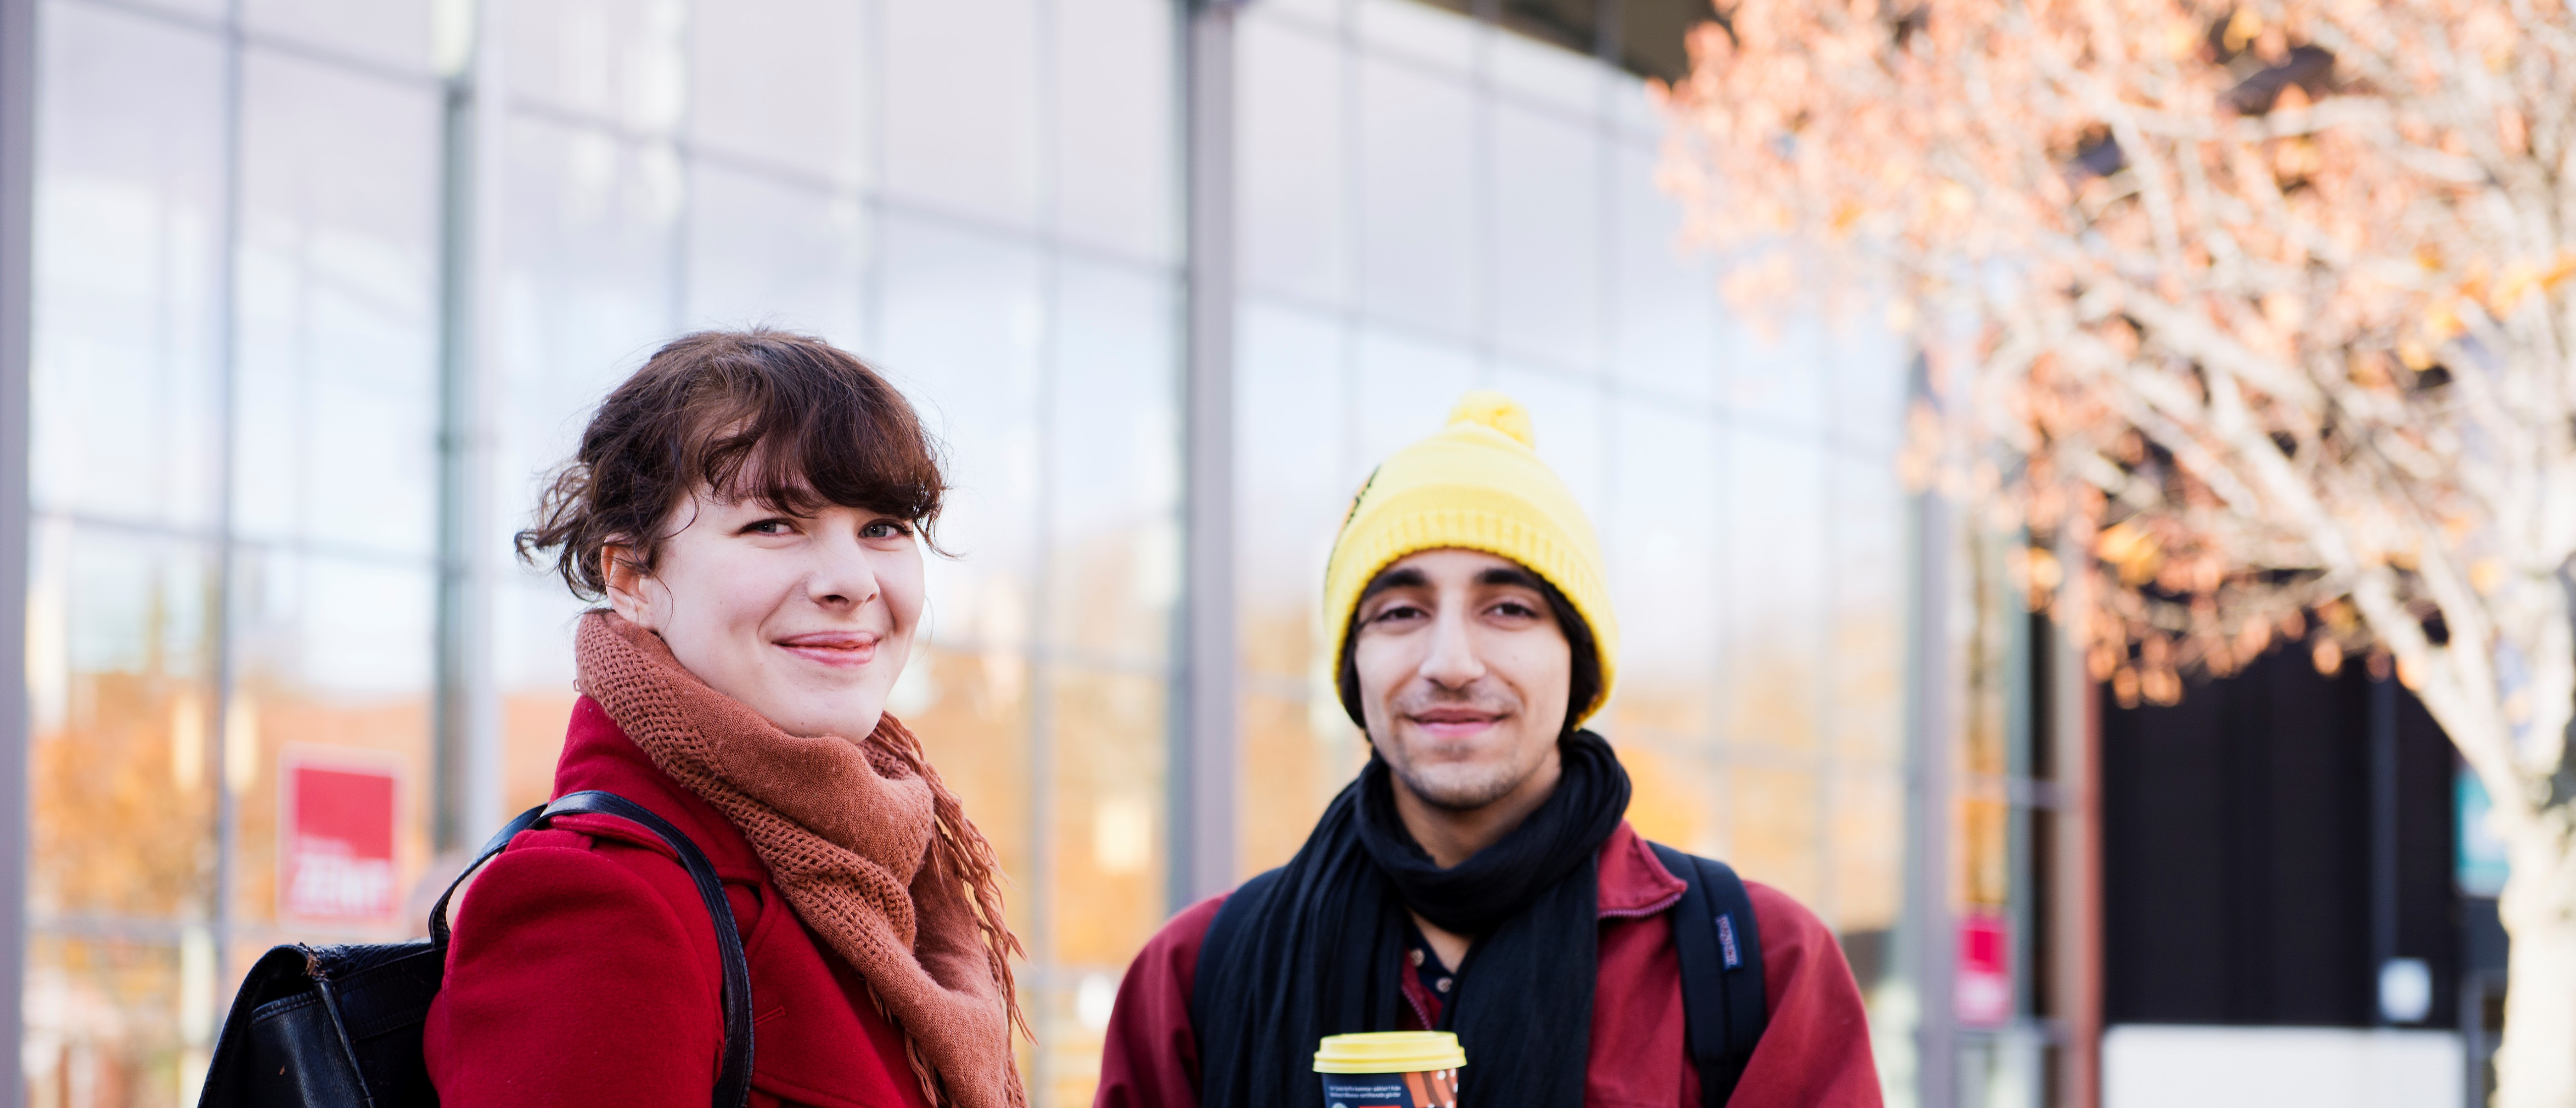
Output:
x,y
2264,310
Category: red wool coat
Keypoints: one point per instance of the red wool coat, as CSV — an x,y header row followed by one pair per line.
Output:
x,y
584,967
1814,1052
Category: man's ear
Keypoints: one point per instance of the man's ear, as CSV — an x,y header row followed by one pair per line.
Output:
x,y
627,583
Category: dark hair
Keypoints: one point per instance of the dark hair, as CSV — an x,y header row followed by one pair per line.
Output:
x,y
1581,687
758,414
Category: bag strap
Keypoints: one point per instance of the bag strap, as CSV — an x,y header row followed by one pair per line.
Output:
x,y
1720,947
733,1079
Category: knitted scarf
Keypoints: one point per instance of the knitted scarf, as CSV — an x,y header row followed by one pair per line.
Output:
x,y
871,850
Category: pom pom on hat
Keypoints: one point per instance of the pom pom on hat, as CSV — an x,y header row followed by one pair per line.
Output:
x,y
1487,408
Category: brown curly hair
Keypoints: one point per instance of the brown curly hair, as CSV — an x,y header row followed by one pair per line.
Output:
x,y
756,415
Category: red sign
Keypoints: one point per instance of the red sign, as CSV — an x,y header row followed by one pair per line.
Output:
x,y
339,844
1984,983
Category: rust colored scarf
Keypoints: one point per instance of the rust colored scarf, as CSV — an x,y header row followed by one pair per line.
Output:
x,y
869,847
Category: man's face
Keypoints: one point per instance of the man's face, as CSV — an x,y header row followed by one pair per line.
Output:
x,y
1463,675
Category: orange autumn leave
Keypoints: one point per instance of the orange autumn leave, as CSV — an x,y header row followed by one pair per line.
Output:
x,y
2258,319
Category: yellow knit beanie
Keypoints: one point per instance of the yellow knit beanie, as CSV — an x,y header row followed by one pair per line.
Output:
x,y
1478,484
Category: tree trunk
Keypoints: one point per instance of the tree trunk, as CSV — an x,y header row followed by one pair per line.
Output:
x,y
2536,1065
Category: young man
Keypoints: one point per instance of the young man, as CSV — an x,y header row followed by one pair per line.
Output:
x,y
1479,877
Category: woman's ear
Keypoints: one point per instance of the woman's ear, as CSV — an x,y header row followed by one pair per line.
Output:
x,y
627,583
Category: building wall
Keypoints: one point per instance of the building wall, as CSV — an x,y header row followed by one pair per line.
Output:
x,y
246,214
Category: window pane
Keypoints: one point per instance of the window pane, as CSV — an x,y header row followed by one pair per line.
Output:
x,y
1407,385
1778,592
971,713
532,660
1420,31
1562,76
1107,890
1663,303
773,80
334,664
1114,483
954,141
586,290
1294,478
120,670
1775,369
763,251
1419,254
1294,176
619,61
1298,751
104,1017
128,205
1868,606
962,326
393,32
1114,105
338,380
1548,215
1663,545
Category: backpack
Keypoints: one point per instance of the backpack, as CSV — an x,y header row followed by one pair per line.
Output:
x,y
1714,933
340,1026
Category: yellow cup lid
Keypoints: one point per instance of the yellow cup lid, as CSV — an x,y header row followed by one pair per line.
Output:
x,y
1389,1052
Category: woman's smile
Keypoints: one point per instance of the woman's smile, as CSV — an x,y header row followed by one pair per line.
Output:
x,y
838,649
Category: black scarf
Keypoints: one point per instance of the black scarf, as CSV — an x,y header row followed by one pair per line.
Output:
x,y
1322,951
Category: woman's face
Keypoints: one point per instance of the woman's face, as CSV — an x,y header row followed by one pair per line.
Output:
x,y
806,619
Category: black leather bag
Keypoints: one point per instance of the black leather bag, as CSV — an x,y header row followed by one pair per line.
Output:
x,y
340,1026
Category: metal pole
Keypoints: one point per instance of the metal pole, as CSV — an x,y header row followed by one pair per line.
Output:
x,y
1931,725
2075,731
469,768
17,226
1202,745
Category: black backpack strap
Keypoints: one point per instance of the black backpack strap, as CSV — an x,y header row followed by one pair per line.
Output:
x,y
1219,943
733,1079
1720,947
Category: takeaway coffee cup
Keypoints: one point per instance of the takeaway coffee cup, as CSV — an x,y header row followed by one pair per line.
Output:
x,y
1390,1069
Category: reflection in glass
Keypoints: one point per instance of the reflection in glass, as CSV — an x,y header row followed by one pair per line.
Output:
x,y
780,82
1112,107
128,194
1294,477
1407,386
765,252
333,663
1419,249
120,676
1663,542
1778,595
1663,302
619,62
1114,480
961,144
394,33
962,331
336,385
1293,178
1547,294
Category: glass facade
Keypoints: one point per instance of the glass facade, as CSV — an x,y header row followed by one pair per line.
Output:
x,y
246,276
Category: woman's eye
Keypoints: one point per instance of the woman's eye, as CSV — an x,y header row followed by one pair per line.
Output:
x,y
769,527
884,529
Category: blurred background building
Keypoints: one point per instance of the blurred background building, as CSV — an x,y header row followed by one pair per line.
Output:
x,y
315,292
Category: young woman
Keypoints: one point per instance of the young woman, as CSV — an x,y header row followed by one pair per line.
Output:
x,y
752,506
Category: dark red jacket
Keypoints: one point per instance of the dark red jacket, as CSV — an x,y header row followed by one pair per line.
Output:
x,y
584,967
1815,1051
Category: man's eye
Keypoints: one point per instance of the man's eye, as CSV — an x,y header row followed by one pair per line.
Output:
x,y
1396,612
1515,609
